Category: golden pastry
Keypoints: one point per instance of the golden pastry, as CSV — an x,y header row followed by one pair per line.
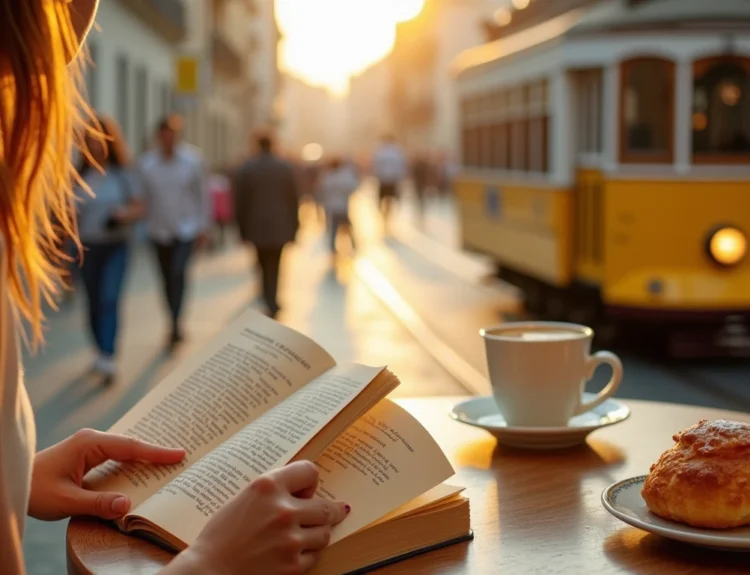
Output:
x,y
704,480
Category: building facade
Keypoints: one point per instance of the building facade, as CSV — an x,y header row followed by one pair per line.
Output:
x,y
212,61
312,115
422,93
218,105
130,75
266,77
368,117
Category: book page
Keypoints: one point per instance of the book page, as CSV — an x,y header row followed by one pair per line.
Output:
x,y
430,499
184,505
250,367
383,461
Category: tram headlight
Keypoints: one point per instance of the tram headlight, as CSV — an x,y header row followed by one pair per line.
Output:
x,y
727,246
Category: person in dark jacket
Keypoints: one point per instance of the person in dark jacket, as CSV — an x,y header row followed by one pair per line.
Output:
x,y
266,208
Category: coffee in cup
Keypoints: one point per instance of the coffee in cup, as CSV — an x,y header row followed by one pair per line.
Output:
x,y
538,371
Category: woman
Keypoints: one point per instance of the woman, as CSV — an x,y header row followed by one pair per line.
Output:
x,y
274,525
104,223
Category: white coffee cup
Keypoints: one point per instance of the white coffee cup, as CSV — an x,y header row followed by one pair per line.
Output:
x,y
539,370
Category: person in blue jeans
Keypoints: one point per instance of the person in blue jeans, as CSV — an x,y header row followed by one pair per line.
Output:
x,y
108,204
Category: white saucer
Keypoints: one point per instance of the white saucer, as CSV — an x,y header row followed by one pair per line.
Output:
x,y
623,500
482,412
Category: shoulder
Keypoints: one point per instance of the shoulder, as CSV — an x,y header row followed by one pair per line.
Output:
x,y
284,164
191,155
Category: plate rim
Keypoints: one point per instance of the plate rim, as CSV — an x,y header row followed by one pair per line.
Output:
x,y
706,539
515,430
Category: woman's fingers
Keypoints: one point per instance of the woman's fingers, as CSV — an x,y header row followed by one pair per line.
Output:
x,y
308,560
100,447
297,477
79,501
316,538
315,512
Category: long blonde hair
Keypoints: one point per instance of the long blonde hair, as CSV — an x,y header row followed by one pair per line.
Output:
x,y
39,106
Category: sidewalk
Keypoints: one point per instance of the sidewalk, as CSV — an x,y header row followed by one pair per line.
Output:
x,y
333,307
436,291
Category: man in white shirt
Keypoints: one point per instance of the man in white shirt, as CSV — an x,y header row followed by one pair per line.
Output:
x,y
178,211
389,167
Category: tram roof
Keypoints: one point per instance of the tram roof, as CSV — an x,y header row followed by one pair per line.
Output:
x,y
618,15
608,15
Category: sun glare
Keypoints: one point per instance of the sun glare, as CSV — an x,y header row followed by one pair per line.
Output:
x,y
326,42
405,10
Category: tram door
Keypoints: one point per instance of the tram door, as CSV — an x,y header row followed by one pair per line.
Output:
x,y
589,192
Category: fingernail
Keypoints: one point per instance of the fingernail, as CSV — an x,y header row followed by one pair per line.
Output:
x,y
120,505
347,508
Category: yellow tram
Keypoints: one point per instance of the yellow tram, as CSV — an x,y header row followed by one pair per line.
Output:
x,y
606,160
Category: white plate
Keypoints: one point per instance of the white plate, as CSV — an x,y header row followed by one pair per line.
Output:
x,y
623,500
482,412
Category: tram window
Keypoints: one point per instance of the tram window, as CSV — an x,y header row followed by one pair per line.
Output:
x,y
501,146
646,111
485,147
721,110
520,148
539,145
469,148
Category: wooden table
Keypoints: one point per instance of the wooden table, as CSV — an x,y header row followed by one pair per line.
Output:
x,y
531,512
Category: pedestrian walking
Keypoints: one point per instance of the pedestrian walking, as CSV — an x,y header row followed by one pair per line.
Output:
x,y
178,213
221,200
421,172
108,204
389,167
266,207
337,187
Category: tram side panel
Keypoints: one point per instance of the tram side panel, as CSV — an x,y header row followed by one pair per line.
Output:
x,y
638,247
657,257
526,229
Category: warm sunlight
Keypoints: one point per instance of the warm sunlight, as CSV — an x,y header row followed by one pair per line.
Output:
x,y
326,42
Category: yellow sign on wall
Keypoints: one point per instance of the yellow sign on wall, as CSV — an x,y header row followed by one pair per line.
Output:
x,y
187,75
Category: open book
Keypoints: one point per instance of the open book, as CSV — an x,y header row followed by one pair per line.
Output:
x,y
261,395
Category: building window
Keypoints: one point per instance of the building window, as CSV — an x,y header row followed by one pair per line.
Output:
x,y
721,110
647,111
166,103
141,108
92,76
164,107
123,94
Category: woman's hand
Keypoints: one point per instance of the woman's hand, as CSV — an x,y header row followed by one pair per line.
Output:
x,y
273,527
56,490
129,213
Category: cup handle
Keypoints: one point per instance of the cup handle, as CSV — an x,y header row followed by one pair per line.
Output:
x,y
594,361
